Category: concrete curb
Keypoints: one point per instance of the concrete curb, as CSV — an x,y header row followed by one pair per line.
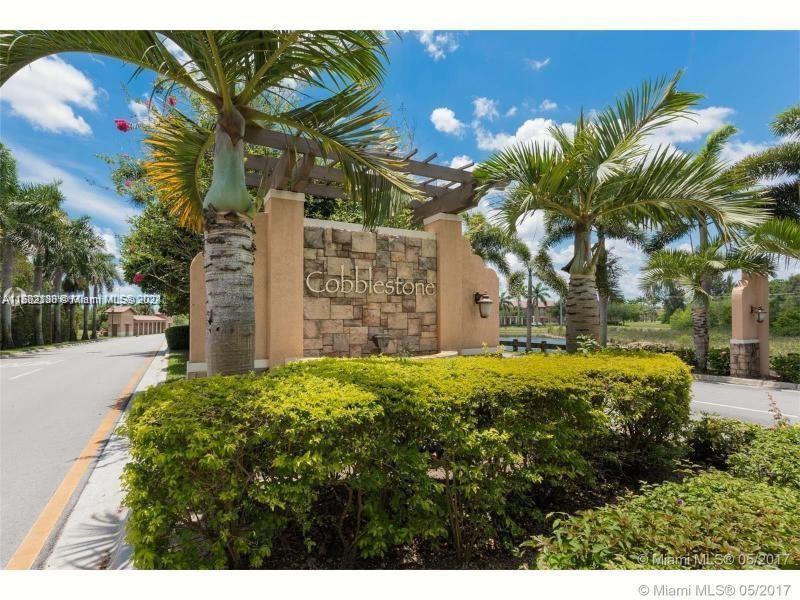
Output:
x,y
759,383
92,535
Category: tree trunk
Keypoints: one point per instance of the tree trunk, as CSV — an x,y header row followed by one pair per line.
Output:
x,y
530,310
700,332
583,314
71,337
603,296
85,335
58,279
602,313
228,263
583,311
38,277
7,278
94,314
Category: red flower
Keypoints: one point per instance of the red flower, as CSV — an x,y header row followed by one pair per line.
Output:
x,y
138,278
172,101
122,125
128,183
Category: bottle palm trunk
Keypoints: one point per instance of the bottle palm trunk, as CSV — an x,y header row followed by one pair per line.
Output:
x,y
7,276
583,310
229,255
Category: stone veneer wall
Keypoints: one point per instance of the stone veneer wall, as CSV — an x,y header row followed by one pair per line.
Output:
x,y
745,359
343,324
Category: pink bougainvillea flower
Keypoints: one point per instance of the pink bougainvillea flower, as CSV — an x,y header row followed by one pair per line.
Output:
x,y
172,101
128,183
138,278
122,125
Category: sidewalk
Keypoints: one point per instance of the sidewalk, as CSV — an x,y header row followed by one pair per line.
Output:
x,y
93,535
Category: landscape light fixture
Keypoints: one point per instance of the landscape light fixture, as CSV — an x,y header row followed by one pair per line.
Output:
x,y
484,304
759,312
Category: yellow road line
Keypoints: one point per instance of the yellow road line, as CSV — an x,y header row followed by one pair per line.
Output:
x,y
28,551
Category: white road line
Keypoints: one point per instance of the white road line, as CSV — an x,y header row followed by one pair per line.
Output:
x,y
766,412
24,374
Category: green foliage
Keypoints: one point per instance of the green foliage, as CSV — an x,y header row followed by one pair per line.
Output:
x,y
788,322
772,457
711,521
336,460
787,366
719,361
177,337
159,250
711,440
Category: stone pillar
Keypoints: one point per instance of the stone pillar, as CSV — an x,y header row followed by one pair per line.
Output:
x,y
750,339
284,276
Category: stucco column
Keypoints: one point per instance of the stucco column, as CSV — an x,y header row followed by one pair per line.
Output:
x,y
449,293
284,276
749,338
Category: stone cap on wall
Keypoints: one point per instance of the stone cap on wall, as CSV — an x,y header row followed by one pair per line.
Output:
x,y
428,235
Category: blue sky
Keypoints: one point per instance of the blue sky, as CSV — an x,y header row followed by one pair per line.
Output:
x,y
463,95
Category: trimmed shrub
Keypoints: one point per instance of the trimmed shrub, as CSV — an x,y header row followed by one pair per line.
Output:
x,y
787,366
718,361
711,440
177,337
773,456
333,460
710,521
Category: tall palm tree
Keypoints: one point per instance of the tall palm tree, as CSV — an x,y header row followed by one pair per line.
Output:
x,y
691,271
602,170
102,277
22,208
515,282
489,241
539,293
233,72
506,303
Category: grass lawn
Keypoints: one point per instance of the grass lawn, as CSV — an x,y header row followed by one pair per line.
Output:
x,y
647,331
176,365
12,351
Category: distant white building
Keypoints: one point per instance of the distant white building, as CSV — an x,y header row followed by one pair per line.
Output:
x,y
123,321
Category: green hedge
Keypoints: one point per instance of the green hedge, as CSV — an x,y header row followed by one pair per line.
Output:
x,y
177,337
773,456
344,459
711,440
711,521
787,366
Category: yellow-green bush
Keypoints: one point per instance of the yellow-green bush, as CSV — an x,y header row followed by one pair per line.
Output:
x,y
356,458
711,521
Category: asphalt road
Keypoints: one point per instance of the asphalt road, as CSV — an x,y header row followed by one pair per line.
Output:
x,y
744,402
51,402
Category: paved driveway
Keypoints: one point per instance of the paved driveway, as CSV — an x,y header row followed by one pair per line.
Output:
x,y
744,402
51,402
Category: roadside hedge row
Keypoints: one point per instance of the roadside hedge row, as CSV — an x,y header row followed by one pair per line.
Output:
x,y
177,337
748,517
360,458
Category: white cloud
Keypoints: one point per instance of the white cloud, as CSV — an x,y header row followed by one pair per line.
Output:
x,y
531,130
537,65
485,107
438,45
46,93
547,105
141,111
736,150
80,198
693,127
461,160
511,111
445,120
109,240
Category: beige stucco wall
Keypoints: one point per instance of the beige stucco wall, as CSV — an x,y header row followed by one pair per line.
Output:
x,y
279,284
121,320
752,290
461,273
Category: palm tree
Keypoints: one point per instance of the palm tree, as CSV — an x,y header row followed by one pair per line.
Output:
x,y
22,208
603,171
235,72
691,272
538,293
102,277
506,304
515,281
489,241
